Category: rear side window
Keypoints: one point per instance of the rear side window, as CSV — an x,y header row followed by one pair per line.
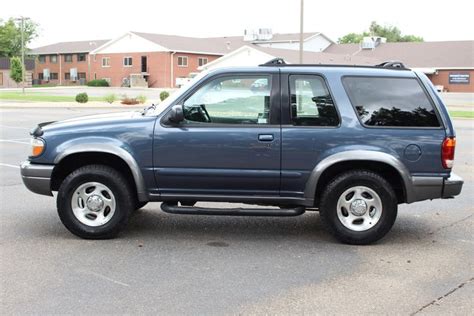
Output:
x,y
310,101
397,102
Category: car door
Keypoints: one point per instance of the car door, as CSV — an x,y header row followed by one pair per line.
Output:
x,y
229,142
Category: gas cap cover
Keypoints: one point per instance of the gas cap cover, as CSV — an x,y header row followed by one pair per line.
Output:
x,y
412,152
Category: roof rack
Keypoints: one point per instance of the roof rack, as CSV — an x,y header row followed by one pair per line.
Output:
x,y
280,62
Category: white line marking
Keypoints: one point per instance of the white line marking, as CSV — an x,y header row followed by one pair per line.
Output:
x,y
13,141
106,278
8,165
16,127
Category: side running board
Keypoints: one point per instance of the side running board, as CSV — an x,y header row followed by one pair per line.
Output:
x,y
191,210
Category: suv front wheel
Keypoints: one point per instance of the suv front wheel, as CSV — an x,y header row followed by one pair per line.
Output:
x,y
95,202
358,207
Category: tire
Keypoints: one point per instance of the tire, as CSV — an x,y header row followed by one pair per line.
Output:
x,y
95,190
347,196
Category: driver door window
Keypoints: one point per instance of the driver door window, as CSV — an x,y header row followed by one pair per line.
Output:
x,y
230,100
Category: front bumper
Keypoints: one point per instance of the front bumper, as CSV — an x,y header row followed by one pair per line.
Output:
x,y
37,177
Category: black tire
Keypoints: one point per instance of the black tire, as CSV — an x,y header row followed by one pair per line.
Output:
x,y
115,181
345,181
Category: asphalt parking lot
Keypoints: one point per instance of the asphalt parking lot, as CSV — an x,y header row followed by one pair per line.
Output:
x,y
172,264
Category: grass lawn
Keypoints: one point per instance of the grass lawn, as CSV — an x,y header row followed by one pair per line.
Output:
x,y
462,114
40,97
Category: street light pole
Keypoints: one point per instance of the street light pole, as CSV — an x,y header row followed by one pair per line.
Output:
x,y
301,31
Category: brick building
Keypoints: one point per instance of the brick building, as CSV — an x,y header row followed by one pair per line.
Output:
x,y
153,60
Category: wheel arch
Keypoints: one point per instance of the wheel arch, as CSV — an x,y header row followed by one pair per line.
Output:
x,y
385,164
79,155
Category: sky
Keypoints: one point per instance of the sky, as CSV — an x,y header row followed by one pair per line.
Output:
x,y
65,20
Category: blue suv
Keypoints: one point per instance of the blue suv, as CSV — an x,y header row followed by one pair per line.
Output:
x,y
351,142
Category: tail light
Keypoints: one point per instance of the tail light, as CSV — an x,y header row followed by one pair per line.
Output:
x,y
447,152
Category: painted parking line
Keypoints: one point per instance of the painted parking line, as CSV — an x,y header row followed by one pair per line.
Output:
x,y
8,165
15,127
15,141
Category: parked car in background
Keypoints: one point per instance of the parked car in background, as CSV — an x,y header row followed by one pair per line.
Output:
x,y
350,142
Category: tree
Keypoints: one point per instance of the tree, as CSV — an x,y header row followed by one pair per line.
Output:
x,y
16,69
391,33
10,36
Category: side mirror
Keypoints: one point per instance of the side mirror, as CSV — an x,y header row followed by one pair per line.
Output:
x,y
176,114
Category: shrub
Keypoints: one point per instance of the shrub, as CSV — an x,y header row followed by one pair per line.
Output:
x,y
129,101
16,69
141,99
98,83
82,98
164,95
110,98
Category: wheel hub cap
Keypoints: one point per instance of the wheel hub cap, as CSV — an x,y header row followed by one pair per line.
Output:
x,y
358,207
95,203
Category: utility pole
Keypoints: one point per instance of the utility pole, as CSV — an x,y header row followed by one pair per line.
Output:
x,y
301,31
23,70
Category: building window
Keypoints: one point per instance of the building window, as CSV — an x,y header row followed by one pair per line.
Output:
x,y
105,61
53,76
40,76
81,75
202,61
182,61
95,75
81,57
68,58
127,61
53,59
67,76
41,59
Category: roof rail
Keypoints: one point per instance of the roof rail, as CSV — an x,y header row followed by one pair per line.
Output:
x,y
392,64
280,62
274,61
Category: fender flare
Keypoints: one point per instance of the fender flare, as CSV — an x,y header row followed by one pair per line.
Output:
x,y
358,155
114,150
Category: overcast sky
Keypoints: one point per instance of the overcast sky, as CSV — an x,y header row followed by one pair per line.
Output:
x,y
65,20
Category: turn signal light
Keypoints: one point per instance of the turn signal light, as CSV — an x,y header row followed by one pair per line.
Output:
x,y
37,147
447,152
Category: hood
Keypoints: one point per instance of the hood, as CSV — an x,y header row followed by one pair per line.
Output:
x,y
95,120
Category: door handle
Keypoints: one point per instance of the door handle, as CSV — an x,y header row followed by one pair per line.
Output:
x,y
265,137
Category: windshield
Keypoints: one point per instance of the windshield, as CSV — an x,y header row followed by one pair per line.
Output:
x,y
175,95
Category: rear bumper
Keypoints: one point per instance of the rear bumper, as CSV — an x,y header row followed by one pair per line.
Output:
x,y
452,186
429,188
37,178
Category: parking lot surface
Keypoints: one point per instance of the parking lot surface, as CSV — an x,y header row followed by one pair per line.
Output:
x,y
172,264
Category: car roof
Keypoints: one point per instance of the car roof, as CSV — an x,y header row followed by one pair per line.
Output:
x,y
338,70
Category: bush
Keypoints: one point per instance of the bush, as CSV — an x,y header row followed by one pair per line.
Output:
x,y
110,98
141,98
82,98
129,101
164,95
98,83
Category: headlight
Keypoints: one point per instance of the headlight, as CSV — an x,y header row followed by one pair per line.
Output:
x,y
37,147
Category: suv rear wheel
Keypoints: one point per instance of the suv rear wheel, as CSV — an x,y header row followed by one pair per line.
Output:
x,y
358,207
95,202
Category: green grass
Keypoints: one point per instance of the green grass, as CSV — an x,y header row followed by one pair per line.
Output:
x,y
462,114
40,97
